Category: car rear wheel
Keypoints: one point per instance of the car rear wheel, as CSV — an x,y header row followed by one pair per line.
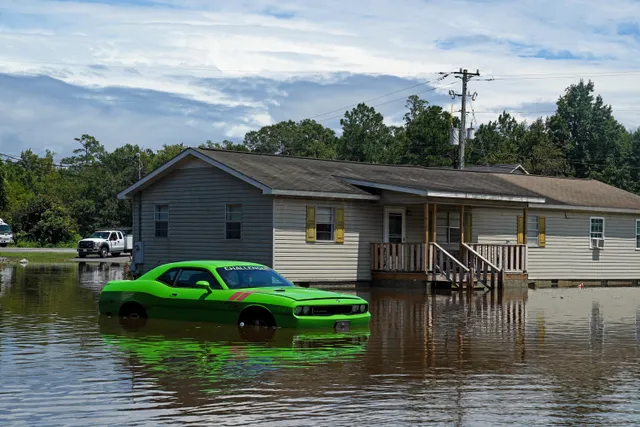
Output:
x,y
133,314
4,245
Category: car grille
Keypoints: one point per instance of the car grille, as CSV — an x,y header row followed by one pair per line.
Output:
x,y
85,245
330,310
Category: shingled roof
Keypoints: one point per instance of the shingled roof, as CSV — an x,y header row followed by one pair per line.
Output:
x,y
305,176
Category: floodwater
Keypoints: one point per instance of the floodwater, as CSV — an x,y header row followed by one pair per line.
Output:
x,y
536,357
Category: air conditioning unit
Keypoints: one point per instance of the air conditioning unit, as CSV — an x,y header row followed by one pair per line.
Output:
x,y
597,243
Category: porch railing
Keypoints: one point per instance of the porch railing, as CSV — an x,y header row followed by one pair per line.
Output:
x,y
446,264
484,271
399,257
510,258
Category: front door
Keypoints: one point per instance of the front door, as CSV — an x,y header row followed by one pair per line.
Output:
x,y
395,226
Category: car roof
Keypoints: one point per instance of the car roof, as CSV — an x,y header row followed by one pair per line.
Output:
x,y
210,264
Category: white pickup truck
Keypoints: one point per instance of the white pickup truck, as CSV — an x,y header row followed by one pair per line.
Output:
x,y
6,234
105,242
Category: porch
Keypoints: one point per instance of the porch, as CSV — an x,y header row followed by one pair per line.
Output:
x,y
435,243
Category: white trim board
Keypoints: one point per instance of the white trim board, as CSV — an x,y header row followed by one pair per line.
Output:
x,y
443,194
585,209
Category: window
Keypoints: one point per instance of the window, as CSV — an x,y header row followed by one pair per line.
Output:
x,y
324,223
120,235
533,231
596,232
189,277
113,237
239,277
448,227
162,220
637,233
168,277
233,230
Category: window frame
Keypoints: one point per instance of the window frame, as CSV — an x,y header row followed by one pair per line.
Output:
x,y
156,220
637,234
449,226
213,283
591,219
157,279
227,221
333,224
530,243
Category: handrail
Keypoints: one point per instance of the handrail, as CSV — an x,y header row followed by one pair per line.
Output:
x,y
483,259
454,259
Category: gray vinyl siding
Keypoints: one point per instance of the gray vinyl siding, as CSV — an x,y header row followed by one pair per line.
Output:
x,y
567,255
300,261
197,197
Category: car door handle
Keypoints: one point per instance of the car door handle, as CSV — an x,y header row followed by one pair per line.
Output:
x,y
174,295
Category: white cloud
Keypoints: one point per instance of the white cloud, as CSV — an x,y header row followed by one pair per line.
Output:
x,y
173,45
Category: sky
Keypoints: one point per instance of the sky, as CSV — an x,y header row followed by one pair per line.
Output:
x,y
154,72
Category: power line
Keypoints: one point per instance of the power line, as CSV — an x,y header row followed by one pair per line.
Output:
x,y
393,100
377,97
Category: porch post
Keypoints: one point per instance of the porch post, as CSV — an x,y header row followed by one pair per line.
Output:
x,y
426,237
462,232
524,225
433,234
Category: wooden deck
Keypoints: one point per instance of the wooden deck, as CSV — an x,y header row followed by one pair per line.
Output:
x,y
479,265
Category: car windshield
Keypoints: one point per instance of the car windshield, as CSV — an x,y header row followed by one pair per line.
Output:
x,y
4,228
100,235
241,276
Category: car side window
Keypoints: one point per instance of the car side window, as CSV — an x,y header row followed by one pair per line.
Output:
x,y
113,236
119,235
168,277
189,277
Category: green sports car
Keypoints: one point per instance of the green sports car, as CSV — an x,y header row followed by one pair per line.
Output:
x,y
239,293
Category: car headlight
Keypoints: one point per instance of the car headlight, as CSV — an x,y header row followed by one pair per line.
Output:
x,y
297,310
354,308
306,310
363,308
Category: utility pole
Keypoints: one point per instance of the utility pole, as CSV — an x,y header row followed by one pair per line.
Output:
x,y
465,76
139,166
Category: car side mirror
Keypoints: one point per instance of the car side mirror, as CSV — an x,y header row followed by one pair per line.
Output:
x,y
203,284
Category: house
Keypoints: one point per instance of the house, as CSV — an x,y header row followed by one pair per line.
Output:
x,y
323,221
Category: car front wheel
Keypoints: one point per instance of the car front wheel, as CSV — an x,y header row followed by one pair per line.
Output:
x,y
104,252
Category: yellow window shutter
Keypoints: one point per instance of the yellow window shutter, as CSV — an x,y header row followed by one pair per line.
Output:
x,y
311,223
542,231
339,225
468,232
520,230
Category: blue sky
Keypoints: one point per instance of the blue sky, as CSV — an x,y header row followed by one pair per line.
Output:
x,y
156,72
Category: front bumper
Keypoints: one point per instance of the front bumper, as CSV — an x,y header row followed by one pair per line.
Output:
x,y
87,250
325,322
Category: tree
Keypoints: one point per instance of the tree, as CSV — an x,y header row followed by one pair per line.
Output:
x,y
307,138
365,137
585,129
225,145
425,140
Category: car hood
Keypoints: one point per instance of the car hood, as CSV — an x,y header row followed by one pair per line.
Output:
x,y
93,240
304,294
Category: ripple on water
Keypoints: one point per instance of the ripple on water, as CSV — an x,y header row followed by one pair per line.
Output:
x,y
546,357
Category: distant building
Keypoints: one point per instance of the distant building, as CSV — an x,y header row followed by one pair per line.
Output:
x,y
321,220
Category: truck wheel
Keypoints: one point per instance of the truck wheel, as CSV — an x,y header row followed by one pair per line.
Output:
x,y
4,245
104,252
81,255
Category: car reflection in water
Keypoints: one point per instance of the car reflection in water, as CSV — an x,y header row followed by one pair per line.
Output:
x,y
219,353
